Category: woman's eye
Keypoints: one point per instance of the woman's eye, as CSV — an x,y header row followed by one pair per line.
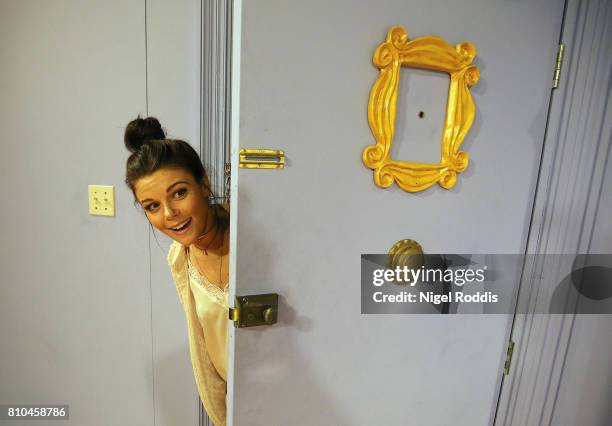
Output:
x,y
151,207
181,192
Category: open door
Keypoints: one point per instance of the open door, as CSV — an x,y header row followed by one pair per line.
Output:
x,y
302,76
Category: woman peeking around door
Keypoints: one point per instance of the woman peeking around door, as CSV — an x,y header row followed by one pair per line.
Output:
x,y
169,182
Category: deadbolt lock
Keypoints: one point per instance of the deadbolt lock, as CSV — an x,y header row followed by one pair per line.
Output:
x,y
262,159
254,310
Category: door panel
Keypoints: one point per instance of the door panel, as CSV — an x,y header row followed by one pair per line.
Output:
x,y
305,76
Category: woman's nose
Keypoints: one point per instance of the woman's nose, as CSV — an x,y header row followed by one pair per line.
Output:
x,y
169,211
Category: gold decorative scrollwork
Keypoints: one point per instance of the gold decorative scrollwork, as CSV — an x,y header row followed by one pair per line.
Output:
x,y
430,53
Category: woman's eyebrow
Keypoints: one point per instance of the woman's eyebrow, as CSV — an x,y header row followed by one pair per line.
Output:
x,y
167,190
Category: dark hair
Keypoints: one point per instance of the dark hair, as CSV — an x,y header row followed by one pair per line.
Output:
x,y
151,151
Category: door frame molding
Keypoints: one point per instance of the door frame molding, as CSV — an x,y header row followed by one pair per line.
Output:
x,y
574,159
215,92
220,101
216,78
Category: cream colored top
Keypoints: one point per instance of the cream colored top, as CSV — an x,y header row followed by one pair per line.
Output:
x,y
211,386
212,311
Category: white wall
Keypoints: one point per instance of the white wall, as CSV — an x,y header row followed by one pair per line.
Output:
x,y
585,391
173,51
89,315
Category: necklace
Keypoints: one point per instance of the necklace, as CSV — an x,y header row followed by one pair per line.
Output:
x,y
215,226
220,285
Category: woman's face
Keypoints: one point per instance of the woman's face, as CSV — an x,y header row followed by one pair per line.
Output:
x,y
174,203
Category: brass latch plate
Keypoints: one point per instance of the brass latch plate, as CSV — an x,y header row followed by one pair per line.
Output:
x,y
262,159
254,310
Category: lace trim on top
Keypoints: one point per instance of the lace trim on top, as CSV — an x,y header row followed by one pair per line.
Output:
x,y
212,289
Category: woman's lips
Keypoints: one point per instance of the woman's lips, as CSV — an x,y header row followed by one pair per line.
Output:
x,y
184,229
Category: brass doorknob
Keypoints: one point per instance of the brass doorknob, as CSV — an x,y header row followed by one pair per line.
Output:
x,y
406,253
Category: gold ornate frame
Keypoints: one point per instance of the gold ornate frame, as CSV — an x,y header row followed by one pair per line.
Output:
x,y
430,53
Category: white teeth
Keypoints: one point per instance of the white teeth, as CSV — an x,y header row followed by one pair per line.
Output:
x,y
180,226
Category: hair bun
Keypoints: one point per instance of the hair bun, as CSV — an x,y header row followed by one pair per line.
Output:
x,y
140,130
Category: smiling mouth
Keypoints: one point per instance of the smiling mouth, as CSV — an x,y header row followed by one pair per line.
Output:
x,y
181,227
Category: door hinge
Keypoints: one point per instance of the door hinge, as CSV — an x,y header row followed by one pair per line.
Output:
x,y
558,65
508,362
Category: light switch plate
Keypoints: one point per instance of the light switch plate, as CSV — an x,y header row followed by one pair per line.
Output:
x,y
101,200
